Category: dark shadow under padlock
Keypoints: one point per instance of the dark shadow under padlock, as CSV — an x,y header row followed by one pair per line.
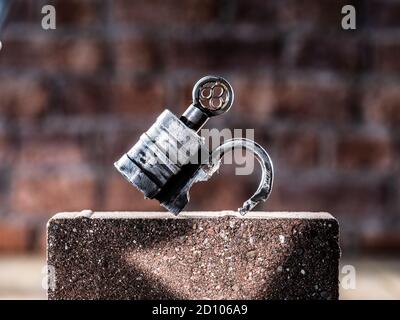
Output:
x,y
171,156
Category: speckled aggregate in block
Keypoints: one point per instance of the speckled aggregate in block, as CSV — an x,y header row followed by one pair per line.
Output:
x,y
197,255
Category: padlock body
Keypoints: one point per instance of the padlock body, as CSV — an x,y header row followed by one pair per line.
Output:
x,y
163,158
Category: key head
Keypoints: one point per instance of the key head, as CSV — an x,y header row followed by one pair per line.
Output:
x,y
213,95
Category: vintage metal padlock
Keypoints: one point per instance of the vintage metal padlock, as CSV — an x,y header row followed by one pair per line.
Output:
x,y
171,156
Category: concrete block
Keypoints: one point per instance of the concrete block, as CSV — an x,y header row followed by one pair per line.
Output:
x,y
197,255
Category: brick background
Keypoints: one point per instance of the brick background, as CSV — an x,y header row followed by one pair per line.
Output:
x,y
324,102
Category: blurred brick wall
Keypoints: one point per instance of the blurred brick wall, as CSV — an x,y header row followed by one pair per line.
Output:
x,y
324,102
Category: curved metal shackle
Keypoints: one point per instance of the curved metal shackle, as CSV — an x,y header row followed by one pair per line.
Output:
x,y
265,186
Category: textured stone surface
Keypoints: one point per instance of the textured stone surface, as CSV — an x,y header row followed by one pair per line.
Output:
x,y
197,255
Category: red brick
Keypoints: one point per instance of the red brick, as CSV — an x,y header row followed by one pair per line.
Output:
x,y
52,52
14,236
7,148
81,13
224,191
24,11
255,97
112,144
40,245
322,99
46,151
82,95
164,13
183,86
23,53
328,51
79,55
224,51
345,195
381,103
91,116
295,148
317,14
359,151
138,96
4,146
382,242
42,192
385,55
136,54
23,96
254,12
383,14
4,190
122,196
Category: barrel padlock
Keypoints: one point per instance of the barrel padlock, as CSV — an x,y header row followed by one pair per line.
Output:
x,y
171,156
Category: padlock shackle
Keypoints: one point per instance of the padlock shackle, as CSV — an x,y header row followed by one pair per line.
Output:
x,y
265,186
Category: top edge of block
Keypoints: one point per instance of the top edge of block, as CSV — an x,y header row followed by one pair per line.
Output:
x,y
191,215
